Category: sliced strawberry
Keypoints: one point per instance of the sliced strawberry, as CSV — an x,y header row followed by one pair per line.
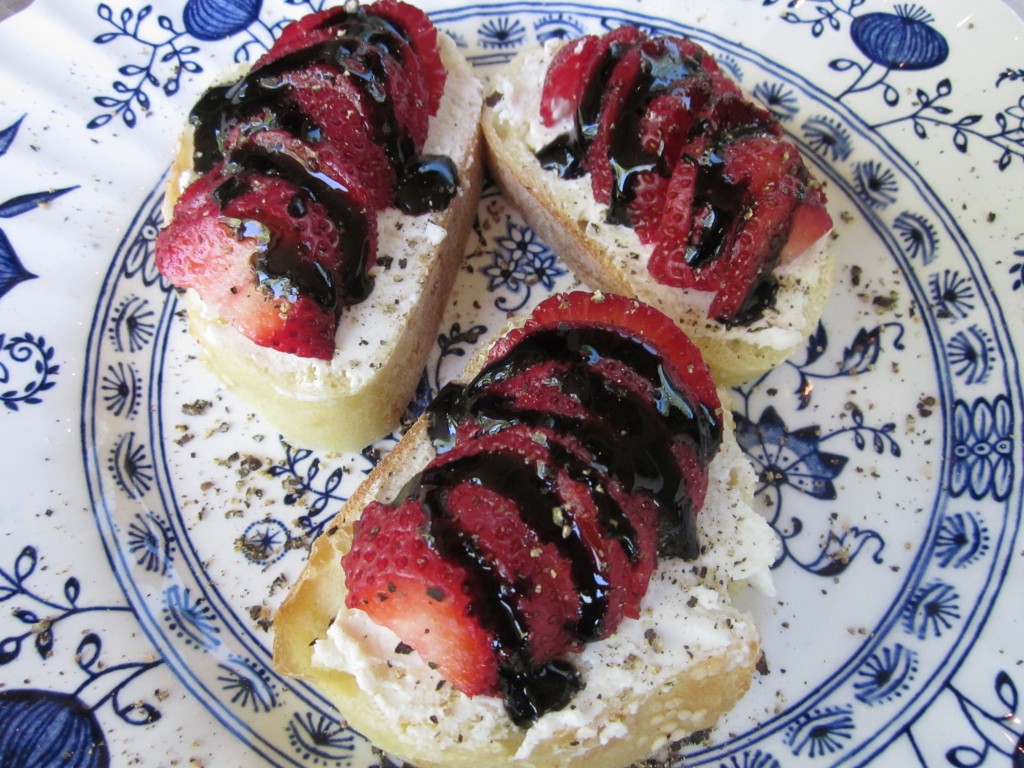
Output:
x,y
564,512
620,88
811,221
567,77
683,362
323,172
537,577
422,36
336,107
395,574
218,258
669,260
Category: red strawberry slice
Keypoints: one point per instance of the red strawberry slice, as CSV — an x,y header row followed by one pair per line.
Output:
x,y
398,578
565,512
743,211
416,43
323,171
811,221
620,88
568,74
230,260
347,126
684,364
422,36
537,577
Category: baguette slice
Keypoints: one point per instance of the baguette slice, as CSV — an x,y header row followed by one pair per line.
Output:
x,y
674,671
610,257
382,343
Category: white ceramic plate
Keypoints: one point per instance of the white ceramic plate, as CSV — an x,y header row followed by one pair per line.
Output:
x,y
150,522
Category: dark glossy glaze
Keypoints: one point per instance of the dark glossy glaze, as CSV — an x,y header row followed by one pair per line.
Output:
x,y
629,440
260,101
718,201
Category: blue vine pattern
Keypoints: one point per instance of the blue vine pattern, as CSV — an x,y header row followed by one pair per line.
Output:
x,y
50,728
1017,271
169,48
999,726
901,43
26,370
300,472
455,343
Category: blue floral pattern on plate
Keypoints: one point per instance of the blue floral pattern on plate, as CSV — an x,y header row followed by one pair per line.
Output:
x,y
888,452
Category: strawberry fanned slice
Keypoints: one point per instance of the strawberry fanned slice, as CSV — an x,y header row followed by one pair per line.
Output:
x,y
300,156
422,36
654,119
229,259
399,579
683,361
576,456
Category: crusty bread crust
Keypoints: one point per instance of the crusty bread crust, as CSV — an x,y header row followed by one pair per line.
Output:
x,y
637,722
611,258
382,344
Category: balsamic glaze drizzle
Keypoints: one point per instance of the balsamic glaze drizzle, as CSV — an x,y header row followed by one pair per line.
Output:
x,y
629,439
718,202
261,100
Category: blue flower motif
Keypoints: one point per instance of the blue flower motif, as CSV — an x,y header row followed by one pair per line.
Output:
x,y
902,40
931,611
505,32
133,325
191,619
970,354
265,542
755,759
557,26
828,138
49,728
780,99
788,458
982,454
821,732
951,294
918,236
519,262
121,390
319,739
217,19
885,675
961,540
249,684
131,466
876,186
150,543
